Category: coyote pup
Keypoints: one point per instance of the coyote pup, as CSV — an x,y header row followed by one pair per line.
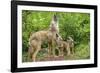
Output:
x,y
67,45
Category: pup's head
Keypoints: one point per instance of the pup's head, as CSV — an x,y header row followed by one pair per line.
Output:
x,y
59,38
70,39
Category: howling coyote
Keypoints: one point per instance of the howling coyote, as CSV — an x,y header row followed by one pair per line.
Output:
x,y
36,39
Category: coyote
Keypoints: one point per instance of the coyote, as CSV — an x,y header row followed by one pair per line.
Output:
x,y
71,42
36,39
67,45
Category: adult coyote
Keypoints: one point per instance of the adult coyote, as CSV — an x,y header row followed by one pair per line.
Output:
x,y
36,39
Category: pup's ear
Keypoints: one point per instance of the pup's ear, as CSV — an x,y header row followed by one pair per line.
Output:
x,y
58,37
70,38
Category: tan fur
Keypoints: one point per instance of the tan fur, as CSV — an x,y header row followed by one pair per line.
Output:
x,y
71,44
36,39
68,45
64,45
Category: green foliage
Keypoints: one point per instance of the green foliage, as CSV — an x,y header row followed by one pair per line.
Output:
x,y
76,25
83,51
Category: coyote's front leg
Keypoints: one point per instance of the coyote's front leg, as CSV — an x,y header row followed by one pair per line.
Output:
x,y
49,49
53,48
68,50
37,49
